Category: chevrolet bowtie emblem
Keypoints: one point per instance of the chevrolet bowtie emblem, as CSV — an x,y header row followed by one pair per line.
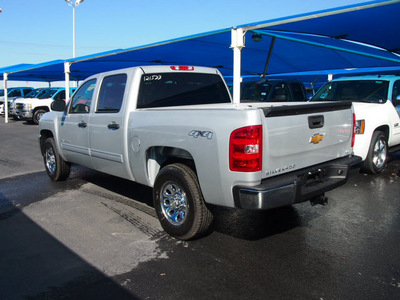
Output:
x,y
316,138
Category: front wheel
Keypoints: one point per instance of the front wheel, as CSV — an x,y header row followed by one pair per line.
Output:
x,y
179,203
377,154
37,115
56,167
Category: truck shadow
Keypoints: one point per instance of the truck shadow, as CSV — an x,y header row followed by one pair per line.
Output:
x,y
120,186
238,223
254,225
394,157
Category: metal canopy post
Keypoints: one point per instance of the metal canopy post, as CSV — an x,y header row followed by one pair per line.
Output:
x,y
67,70
237,43
5,79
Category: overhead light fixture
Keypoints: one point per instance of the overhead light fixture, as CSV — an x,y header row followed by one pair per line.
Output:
x,y
256,37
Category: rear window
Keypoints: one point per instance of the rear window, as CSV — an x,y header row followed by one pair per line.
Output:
x,y
177,89
372,91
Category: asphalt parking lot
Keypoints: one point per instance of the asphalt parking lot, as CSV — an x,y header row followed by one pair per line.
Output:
x,y
96,237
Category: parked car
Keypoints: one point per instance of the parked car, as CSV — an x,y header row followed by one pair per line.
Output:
x,y
376,101
273,90
32,109
12,94
12,103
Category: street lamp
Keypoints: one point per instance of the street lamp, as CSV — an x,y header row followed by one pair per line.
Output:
x,y
73,4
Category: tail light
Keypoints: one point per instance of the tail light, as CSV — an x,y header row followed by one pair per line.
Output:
x,y
182,68
245,149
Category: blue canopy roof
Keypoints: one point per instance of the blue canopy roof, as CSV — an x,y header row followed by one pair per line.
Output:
x,y
313,43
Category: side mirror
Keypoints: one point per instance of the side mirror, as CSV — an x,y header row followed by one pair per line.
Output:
x,y
58,105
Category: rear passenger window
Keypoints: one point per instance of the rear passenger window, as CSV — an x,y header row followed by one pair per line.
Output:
x,y
82,99
111,93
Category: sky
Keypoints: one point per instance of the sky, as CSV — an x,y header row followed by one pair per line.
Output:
x,y
36,31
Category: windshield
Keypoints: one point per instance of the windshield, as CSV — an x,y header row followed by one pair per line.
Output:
x,y
371,91
48,94
33,93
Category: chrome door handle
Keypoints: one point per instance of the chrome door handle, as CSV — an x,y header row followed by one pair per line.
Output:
x,y
113,126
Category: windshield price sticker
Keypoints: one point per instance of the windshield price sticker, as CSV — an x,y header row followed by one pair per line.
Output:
x,y
152,77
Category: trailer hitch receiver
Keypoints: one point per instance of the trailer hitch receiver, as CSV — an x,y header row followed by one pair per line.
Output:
x,y
321,199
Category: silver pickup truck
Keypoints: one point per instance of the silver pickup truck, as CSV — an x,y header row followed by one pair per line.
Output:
x,y
175,128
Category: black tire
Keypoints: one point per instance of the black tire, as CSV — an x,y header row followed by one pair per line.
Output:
x,y
37,115
188,216
376,158
56,167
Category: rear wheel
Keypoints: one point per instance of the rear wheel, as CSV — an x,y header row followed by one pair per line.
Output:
x,y
179,203
377,154
56,167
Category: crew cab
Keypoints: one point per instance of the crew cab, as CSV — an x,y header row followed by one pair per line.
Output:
x,y
176,129
32,109
376,101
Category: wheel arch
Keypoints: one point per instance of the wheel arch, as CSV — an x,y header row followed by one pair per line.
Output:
x,y
385,129
158,157
44,135
46,108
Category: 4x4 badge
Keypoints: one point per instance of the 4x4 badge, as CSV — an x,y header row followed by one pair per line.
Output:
x,y
197,133
316,138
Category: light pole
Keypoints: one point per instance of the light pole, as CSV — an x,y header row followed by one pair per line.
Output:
x,y
73,4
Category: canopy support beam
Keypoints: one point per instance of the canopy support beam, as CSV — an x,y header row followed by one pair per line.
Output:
x,y
271,48
302,41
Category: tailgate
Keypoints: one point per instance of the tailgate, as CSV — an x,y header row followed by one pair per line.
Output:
x,y
299,136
